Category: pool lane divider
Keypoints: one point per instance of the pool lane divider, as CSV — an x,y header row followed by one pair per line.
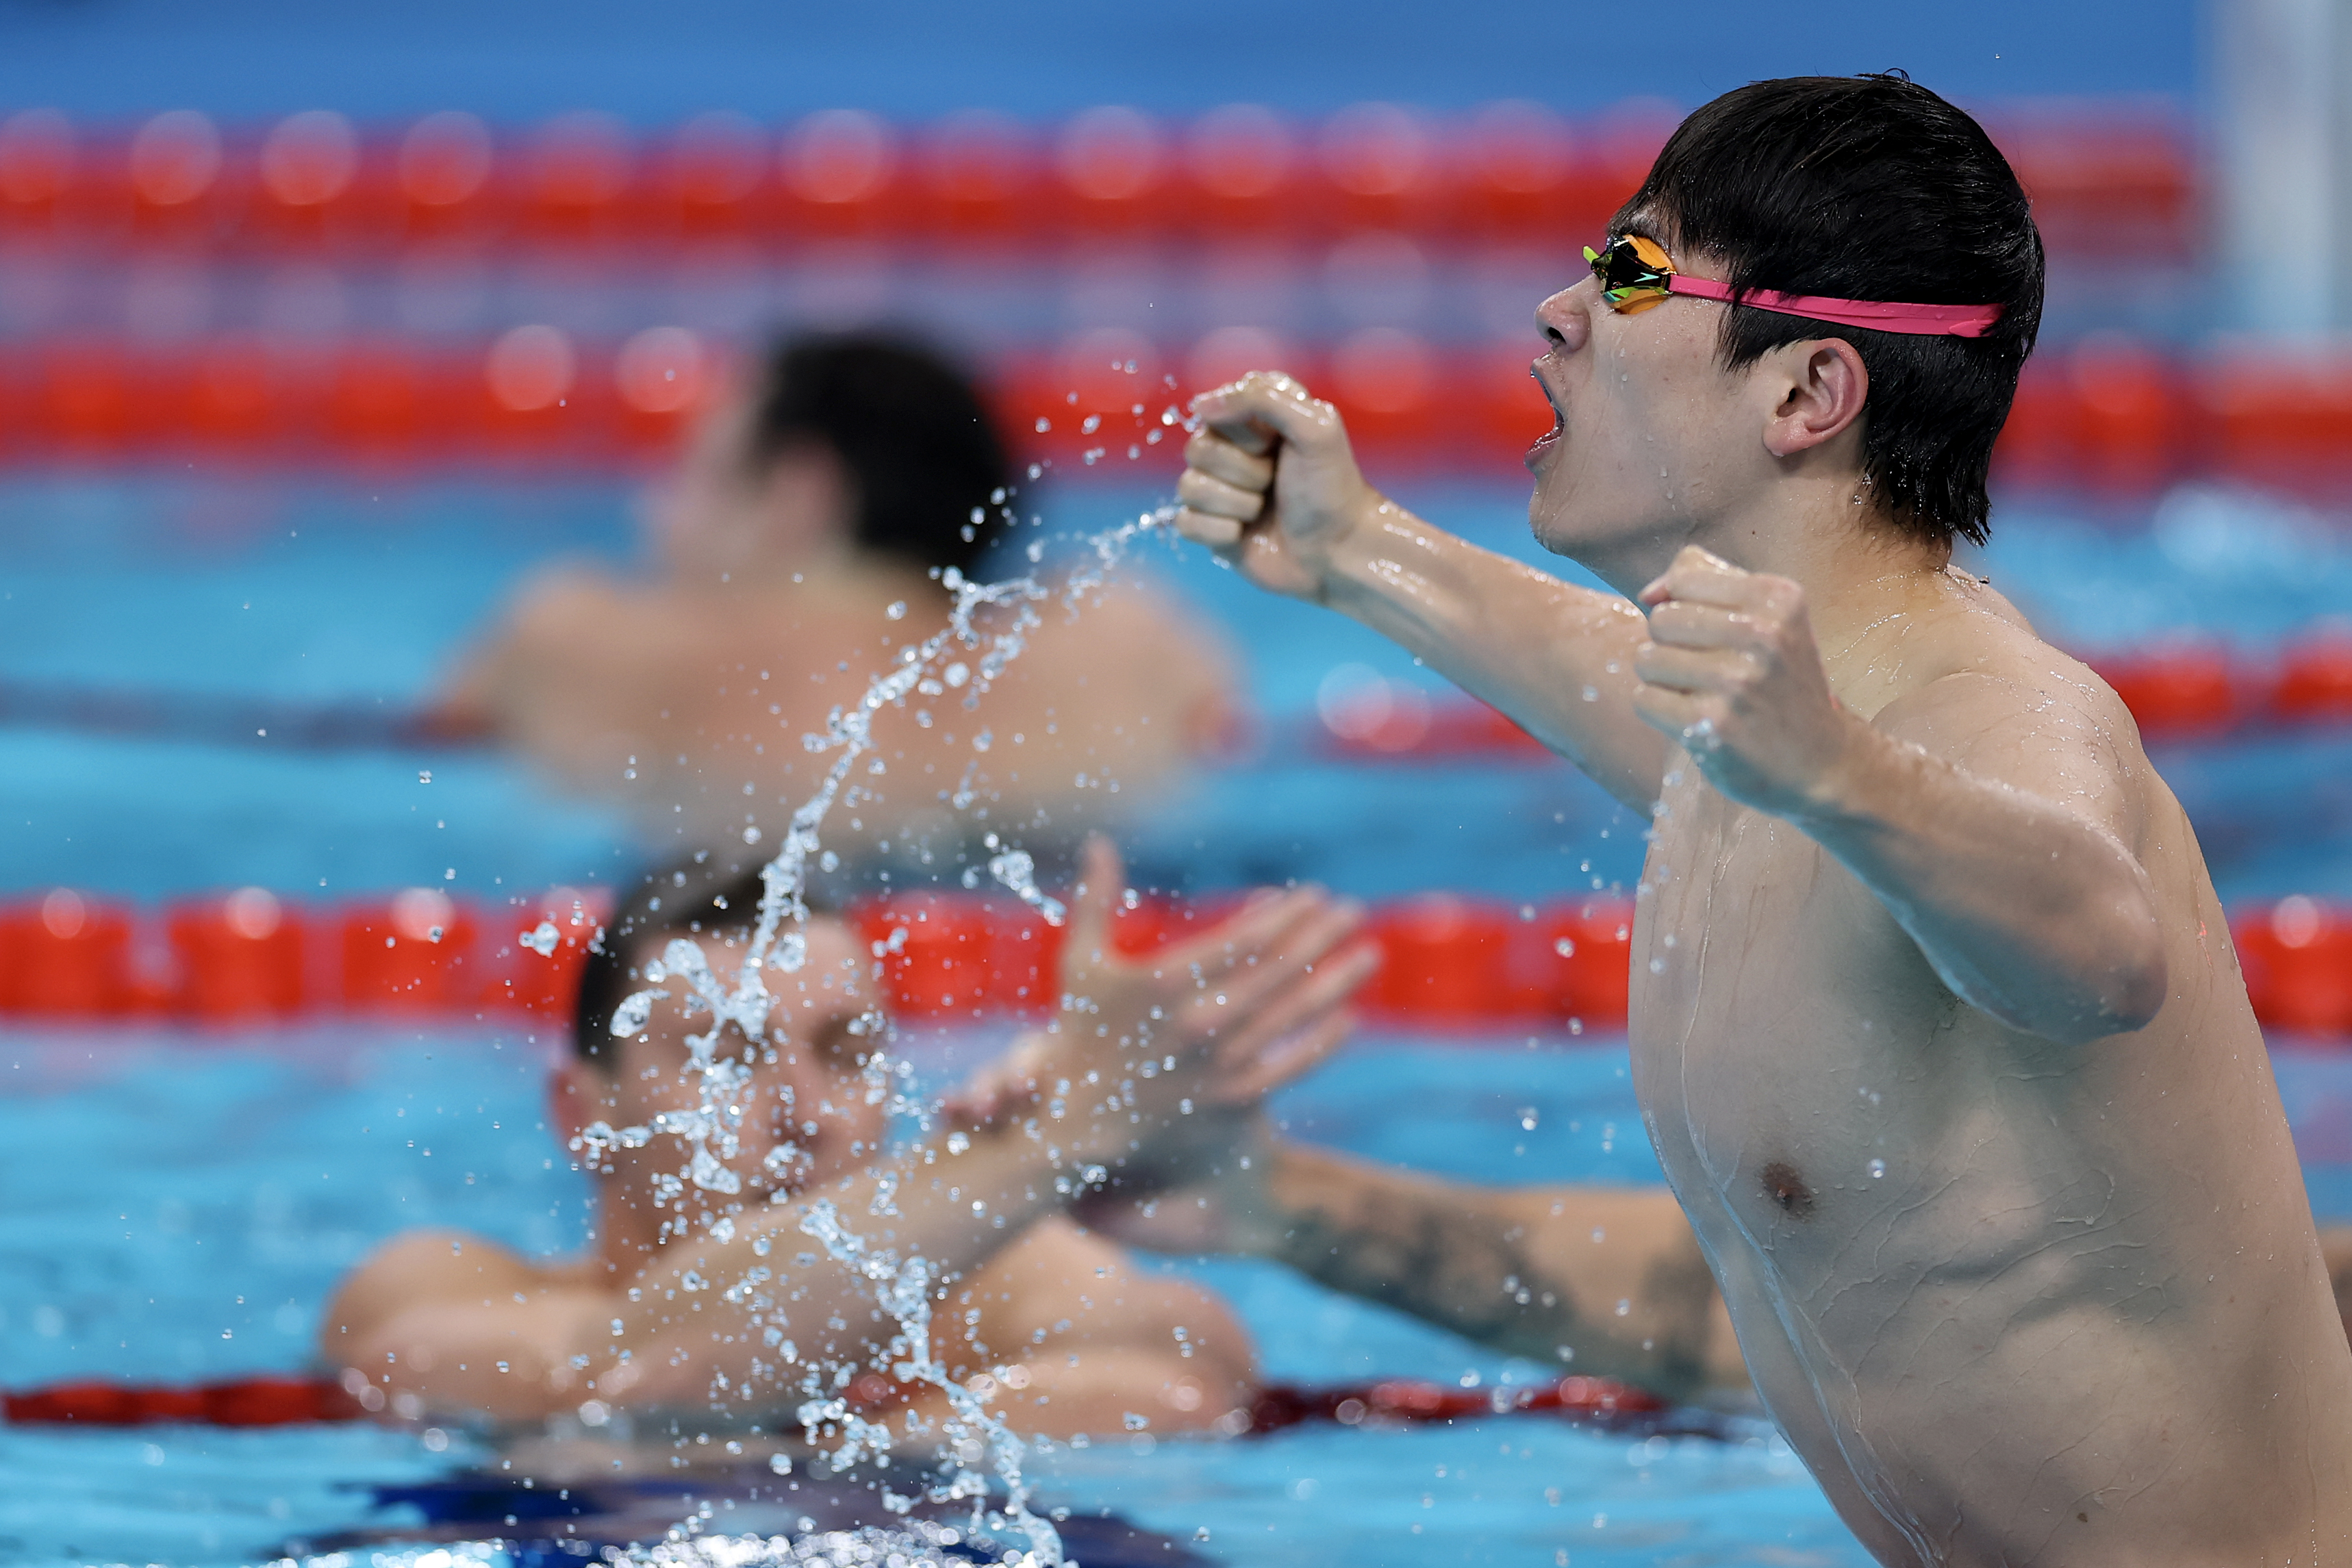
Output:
x,y
249,957
2178,690
318,188
1452,963
534,401
273,1400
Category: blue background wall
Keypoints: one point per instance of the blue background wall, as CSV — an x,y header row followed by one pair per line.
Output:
x,y
653,62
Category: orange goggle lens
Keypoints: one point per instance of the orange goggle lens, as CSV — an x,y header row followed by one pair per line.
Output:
x,y
1632,271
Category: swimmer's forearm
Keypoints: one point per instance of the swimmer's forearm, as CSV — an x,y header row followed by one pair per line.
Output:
x,y
2028,912
1516,637
1488,1263
955,1210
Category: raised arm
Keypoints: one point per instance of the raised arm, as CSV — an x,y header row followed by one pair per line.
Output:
x,y
1271,484
1994,811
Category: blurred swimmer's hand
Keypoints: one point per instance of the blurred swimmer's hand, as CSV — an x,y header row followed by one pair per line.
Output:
x,y
1731,672
1270,483
1152,1058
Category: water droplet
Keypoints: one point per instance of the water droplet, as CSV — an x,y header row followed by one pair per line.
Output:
x,y
1877,1168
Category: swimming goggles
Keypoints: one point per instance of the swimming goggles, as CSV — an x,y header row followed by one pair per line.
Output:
x,y
1636,273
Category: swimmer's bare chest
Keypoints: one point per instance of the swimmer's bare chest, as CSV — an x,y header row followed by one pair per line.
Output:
x,y
1974,1274
1776,1003
1809,1080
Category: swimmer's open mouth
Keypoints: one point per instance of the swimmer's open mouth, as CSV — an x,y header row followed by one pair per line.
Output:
x,y
1559,418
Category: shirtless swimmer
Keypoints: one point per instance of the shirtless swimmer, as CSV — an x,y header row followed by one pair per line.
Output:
x,y
1935,1022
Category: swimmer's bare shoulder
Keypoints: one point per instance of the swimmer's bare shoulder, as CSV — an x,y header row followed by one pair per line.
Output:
x,y
1982,689
470,1322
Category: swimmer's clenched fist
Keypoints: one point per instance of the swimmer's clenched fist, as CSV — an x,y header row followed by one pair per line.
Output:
x,y
1270,482
1731,672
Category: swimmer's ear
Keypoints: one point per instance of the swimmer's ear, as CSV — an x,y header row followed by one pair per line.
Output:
x,y
575,1096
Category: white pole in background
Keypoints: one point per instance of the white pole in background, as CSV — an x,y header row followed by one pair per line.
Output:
x,y
2282,143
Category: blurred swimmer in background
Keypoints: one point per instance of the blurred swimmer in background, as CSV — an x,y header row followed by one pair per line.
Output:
x,y
710,1298
795,549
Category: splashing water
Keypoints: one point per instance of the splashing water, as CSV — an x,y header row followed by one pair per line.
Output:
x,y
919,1543
959,656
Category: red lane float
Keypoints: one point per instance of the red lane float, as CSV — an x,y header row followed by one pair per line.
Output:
x,y
1507,175
240,957
2314,679
2297,959
407,955
66,955
261,1401
286,1401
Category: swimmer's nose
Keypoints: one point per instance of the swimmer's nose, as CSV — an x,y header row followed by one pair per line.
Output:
x,y
1566,319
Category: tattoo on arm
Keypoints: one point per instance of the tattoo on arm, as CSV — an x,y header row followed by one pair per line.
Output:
x,y
1472,1273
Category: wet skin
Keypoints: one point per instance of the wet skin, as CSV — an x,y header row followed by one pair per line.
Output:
x,y
1935,1024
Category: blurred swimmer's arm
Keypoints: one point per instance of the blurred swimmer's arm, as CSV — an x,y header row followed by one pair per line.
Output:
x,y
1995,812
1270,484
1122,1081
440,1321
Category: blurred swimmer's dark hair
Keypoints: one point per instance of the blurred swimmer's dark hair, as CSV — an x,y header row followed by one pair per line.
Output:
x,y
1867,187
926,465
706,893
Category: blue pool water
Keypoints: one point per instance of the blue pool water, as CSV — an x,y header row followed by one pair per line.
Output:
x,y
174,1209
301,596
174,1206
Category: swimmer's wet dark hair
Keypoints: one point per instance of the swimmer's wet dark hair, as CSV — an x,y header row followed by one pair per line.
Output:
x,y
704,893
920,449
1867,187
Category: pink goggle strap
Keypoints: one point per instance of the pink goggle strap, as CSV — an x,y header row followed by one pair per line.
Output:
x,y
1921,321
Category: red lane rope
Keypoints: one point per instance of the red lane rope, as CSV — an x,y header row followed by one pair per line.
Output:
x,y
251,957
264,1401
285,1401
1510,174
2106,418
1452,963
2178,690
